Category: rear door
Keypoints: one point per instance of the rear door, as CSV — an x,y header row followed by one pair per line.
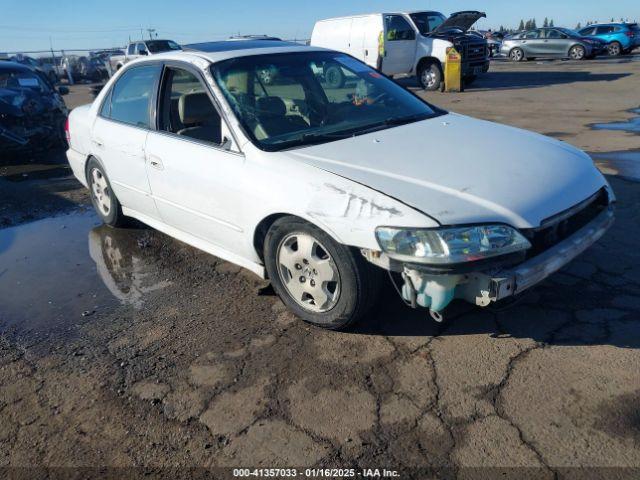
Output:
x,y
533,43
120,132
606,33
399,45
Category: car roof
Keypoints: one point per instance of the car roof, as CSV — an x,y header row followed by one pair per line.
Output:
x,y
7,64
224,50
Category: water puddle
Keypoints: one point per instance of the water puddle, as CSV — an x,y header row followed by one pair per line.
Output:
x,y
59,272
624,164
632,125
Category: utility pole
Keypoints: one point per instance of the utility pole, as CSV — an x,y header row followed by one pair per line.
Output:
x,y
151,32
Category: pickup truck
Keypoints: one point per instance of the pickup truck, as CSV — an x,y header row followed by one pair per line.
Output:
x,y
142,48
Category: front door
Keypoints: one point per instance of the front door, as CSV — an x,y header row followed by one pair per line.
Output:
x,y
194,173
120,132
399,45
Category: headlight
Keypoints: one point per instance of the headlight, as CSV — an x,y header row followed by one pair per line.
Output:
x,y
450,245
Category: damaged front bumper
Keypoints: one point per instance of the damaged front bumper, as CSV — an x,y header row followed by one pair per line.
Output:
x,y
436,290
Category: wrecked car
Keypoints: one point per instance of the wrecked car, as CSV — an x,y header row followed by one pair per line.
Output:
x,y
32,111
321,189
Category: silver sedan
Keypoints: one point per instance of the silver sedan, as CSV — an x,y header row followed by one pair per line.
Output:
x,y
550,43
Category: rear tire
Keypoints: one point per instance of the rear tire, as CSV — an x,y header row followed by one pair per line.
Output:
x,y
320,280
103,198
614,49
430,76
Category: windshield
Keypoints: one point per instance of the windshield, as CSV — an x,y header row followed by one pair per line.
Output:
x,y
427,22
303,98
20,79
157,46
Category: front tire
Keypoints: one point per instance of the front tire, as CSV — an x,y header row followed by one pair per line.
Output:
x,y
577,52
430,76
103,198
516,55
321,281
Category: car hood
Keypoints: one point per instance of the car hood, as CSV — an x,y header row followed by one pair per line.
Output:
x,y
462,20
460,170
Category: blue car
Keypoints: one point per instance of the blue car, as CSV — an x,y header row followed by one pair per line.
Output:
x,y
619,37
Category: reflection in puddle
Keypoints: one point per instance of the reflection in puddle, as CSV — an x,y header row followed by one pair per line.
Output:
x,y
49,279
631,125
121,267
624,164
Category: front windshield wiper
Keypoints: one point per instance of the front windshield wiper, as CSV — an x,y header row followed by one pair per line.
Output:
x,y
314,138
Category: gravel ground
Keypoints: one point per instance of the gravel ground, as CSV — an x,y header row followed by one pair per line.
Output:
x,y
125,348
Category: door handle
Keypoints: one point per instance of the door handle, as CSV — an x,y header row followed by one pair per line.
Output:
x,y
155,162
98,143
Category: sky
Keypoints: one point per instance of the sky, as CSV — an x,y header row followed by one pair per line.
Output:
x,y
27,25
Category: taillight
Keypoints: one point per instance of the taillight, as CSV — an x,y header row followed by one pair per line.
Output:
x,y
629,34
67,133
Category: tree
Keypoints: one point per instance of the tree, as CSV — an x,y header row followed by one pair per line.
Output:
x,y
546,22
612,20
521,26
551,23
578,26
527,26
533,23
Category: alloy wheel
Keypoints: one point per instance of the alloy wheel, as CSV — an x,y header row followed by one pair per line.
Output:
x,y
308,272
516,55
101,191
429,78
614,49
576,53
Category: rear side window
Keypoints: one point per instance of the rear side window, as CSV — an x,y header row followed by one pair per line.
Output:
x,y
130,97
532,34
604,30
398,28
132,48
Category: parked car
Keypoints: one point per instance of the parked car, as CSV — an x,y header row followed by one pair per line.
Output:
x,y
551,43
620,38
142,48
32,111
405,44
494,40
36,64
321,189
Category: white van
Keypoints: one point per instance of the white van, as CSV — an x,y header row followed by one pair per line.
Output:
x,y
405,44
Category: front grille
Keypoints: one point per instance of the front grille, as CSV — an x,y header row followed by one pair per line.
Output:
x,y
473,51
560,226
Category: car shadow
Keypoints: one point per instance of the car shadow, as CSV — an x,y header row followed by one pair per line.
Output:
x,y
535,79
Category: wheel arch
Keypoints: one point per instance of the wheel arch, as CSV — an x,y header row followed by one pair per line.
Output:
x,y
427,60
263,226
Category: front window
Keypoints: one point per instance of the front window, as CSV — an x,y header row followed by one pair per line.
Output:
x,y
427,22
304,98
398,28
157,46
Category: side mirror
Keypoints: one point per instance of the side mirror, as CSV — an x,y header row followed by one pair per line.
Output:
x,y
226,143
63,90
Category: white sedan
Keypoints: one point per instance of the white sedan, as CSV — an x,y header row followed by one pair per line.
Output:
x,y
322,189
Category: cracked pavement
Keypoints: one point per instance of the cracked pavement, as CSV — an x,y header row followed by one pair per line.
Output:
x,y
196,364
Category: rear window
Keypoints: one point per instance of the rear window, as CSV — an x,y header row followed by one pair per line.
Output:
x,y
635,27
